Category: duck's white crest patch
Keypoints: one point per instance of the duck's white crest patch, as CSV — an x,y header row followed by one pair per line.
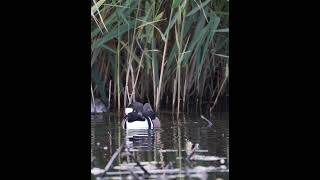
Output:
x,y
128,110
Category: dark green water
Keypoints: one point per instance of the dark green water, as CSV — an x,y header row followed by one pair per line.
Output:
x,y
155,149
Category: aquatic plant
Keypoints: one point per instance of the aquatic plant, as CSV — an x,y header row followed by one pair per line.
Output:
x,y
159,50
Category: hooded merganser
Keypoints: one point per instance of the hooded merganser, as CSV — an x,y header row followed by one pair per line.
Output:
x,y
139,116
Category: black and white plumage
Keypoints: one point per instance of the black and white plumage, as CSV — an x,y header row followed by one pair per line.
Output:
x,y
139,116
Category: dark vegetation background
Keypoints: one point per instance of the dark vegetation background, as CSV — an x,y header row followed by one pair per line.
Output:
x,y
169,53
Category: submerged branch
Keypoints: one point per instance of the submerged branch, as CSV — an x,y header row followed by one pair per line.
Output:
x,y
114,156
209,122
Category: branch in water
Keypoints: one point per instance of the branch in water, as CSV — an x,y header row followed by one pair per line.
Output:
x,y
209,122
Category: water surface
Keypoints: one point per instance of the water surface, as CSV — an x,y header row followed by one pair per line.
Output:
x,y
167,147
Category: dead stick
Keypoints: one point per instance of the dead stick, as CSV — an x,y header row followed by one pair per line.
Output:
x,y
137,162
204,118
224,81
142,168
114,156
136,177
127,155
187,159
196,147
168,166
94,104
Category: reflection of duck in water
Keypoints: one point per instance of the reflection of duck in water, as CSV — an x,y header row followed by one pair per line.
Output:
x,y
140,139
98,106
140,116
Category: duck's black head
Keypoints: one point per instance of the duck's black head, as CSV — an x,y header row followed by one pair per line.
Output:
x,y
134,116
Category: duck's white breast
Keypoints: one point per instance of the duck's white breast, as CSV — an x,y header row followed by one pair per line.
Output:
x,y
138,125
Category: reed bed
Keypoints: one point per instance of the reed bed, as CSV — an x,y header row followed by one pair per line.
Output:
x,y
170,53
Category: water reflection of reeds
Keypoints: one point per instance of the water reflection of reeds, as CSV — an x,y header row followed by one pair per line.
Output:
x,y
156,149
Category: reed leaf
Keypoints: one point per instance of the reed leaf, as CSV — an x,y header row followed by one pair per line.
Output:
x,y
196,9
213,25
156,49
114,34
96,6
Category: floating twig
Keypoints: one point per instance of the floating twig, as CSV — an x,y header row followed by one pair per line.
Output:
x,y
204,118
169,171
114,156
128,154
135,176
196,147
141,167
189,163
223,83
94,104
187,159
168,166
187,173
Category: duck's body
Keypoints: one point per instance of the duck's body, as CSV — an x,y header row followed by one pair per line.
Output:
x,y
98,107
144,123
140,116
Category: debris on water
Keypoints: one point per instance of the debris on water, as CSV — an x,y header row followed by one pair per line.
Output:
x,y
175,171
150,167
147,162
189,148
203,175
123,166
180,176
133,166
158,154
96,171
200,169
208,121
192,151
175,150
223,167
206,158
167,150
222,161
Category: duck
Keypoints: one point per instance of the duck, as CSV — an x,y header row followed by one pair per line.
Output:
x,y
148,112
139,116
98,106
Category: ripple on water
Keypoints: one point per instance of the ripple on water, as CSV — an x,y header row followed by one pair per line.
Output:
x,y
155,149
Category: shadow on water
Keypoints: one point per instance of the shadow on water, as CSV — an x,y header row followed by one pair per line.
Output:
x,y
184,148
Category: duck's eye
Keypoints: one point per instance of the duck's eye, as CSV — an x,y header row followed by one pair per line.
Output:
x,y
128,110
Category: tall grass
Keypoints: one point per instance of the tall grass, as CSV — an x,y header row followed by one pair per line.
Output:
x,y
158,50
